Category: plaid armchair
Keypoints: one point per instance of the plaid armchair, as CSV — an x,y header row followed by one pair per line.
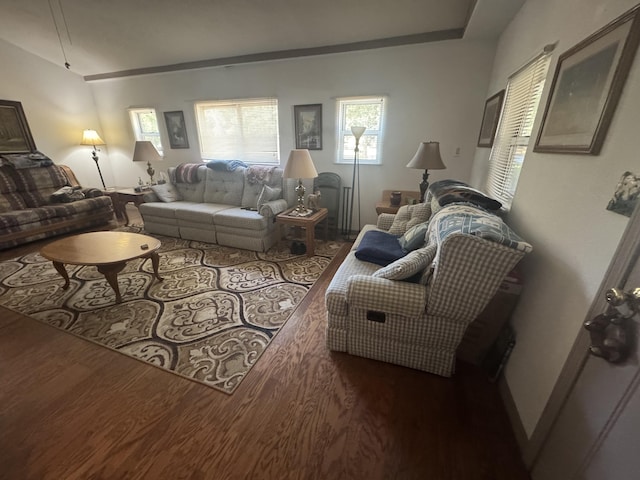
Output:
x,y
420,325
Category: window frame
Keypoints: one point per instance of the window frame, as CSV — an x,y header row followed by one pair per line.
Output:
x,y
241,152
522,100
138,134
344,133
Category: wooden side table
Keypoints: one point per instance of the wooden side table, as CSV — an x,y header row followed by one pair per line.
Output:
x,y
384,205
308,223
121,196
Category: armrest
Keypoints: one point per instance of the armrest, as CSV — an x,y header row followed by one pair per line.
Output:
x,y
273,207
385,220
390,296
151,197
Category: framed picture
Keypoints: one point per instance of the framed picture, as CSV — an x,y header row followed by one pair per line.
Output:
x,y
176,129
15,136
308,125
492,109
586,88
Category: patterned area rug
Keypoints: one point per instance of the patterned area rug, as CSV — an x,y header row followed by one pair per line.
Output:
x,y
211,318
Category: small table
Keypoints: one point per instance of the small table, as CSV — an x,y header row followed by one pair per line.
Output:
x,y
308,223
121,196
406,196
109,251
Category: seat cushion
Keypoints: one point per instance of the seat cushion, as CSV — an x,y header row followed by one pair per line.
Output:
x,y
240,218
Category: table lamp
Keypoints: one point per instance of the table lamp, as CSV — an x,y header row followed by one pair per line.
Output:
x,y
144,151
91,137
300,165
427,157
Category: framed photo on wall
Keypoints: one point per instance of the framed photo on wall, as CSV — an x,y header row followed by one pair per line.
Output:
x,y
15,135
492,109
586,87
308,126
176,129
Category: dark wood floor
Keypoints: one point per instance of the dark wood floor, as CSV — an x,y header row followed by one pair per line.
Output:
x,y
70,409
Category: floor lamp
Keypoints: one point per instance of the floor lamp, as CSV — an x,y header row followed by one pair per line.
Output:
x,y
357,133
91,137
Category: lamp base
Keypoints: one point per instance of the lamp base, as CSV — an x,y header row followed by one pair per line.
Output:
x,y
150,171
300,190
424,185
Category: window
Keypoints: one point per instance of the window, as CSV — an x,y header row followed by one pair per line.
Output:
x,y
244,130
524,90
145,126
365,112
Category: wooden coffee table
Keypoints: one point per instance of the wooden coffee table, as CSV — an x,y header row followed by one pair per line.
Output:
x,y
108,251
308,223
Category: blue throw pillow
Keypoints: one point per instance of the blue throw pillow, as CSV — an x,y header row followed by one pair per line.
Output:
x,y
380,248
414,237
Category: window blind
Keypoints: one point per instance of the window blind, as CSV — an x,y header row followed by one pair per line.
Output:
x,y
244,130
522,98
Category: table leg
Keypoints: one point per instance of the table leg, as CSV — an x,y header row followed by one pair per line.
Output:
x,y
155,262
63,272
110,272
311,247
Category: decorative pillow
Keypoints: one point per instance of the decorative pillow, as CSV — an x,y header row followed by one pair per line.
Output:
x,y
414,237
267,194
408,216
411,264
379,247
166,192
67,195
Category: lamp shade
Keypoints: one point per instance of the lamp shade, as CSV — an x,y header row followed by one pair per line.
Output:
x,y
144,151
91,137
427,157
300,165
358,131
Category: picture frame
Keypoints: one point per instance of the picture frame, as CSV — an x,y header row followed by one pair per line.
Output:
x,y
586,87
176,129
308,126
15,135
490,119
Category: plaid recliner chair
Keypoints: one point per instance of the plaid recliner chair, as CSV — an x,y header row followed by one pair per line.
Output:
x,y
420,324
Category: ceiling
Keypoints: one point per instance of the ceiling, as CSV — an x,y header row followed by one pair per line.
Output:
x,y
119,37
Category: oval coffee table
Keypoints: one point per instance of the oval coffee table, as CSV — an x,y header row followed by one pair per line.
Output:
x,y
108,251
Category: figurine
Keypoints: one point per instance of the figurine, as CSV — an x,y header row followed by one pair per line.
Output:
x,y
313,200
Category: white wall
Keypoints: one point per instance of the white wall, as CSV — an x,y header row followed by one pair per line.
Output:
x,y
560,203
436,92
58,105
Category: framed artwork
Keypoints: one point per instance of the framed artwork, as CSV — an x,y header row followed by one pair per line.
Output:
x,y
15,136
586,88
492,109
308,125
625,197
176,129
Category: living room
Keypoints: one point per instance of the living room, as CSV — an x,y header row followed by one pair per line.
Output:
x,y
436,91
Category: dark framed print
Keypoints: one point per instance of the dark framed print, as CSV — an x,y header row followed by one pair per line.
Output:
x,y
586,87
308,126
176,129
490,118
15,136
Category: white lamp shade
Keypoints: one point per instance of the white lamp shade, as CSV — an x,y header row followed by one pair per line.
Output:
x,y
427,157
358,131
300,165
144,151
91,137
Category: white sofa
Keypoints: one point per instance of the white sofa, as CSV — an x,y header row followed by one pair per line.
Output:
x,y
219,207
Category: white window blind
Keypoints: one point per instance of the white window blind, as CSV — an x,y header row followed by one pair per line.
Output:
x,y
145,126
244,130
524,90
364,112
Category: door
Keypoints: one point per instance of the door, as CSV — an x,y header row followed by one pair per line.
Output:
x,y
596,435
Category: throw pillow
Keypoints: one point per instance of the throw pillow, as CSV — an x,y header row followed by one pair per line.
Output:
x,y
379,247
409,265
166,192
408,216
67,194
267,194
414,237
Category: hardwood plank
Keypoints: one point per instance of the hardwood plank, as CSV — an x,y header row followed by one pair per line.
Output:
x,y
75,410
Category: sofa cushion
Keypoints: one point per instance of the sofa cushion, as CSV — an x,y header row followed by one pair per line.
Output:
x,y
11,201
240,218
198,212
255,177
267,194
166,192
379,247
37,184
408,216
67,195
224,187
408,266
414,237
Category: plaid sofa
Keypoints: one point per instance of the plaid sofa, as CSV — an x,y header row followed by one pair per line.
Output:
x,y
27,212
222,207
414,324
